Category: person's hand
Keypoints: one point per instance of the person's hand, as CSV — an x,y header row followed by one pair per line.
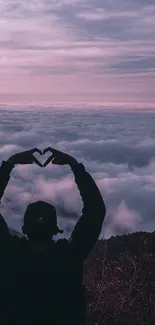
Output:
x,y
25,157
59,158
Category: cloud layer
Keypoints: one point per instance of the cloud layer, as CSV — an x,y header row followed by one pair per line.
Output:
x,y
116,147
73,50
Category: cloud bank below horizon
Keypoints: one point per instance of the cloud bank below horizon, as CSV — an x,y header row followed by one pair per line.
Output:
x,y
117,148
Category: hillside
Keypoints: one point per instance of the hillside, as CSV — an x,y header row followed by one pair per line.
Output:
x,y
119,278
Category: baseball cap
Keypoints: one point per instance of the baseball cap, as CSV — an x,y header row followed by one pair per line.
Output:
x,y
41,212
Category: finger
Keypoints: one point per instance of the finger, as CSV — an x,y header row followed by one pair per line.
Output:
x,y
49,149
36,150
56,162
36,161
48,161
30,161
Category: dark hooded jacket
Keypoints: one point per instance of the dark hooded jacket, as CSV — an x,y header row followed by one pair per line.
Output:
x,y
47,286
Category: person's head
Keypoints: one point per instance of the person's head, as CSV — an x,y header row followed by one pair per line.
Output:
x,y
40,222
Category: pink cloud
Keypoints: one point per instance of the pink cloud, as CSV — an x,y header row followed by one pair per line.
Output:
x,y
122,218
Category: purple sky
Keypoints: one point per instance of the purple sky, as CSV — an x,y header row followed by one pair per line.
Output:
x,y
93,51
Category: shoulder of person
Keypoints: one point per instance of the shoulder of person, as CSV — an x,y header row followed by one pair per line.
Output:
x,y
63,245
19,242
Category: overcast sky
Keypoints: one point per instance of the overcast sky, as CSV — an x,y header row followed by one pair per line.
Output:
x,y
77,51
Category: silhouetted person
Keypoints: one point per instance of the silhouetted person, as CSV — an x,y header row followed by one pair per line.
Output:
x,y
42,279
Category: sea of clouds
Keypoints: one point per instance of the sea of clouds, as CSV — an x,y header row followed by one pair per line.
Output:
x,y
117,148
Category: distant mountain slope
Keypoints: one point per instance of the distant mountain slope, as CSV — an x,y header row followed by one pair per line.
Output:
x,y
119,280
134,243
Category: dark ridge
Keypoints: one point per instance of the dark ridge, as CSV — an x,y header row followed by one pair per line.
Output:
x,y
119,280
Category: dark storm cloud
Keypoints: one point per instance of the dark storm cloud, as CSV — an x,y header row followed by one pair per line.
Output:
x,y
139,65
116,20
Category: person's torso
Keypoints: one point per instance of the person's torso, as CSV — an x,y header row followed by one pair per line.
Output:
x,y
46,284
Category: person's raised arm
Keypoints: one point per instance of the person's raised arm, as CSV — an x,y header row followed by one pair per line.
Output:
x,y
5,170
25,157
6,167
88,227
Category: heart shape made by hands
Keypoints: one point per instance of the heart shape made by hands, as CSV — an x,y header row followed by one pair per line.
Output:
x,y
38,156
